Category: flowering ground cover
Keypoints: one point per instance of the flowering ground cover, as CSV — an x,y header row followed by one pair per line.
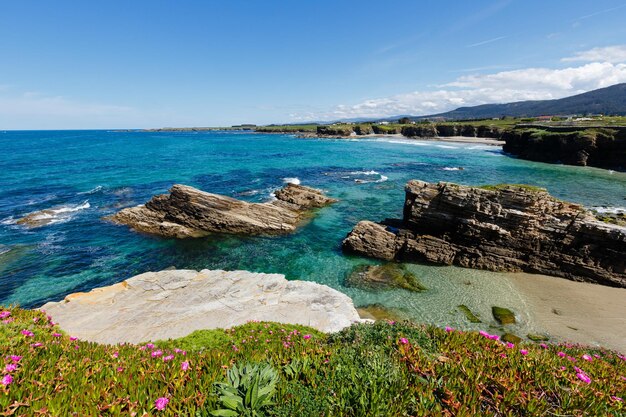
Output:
x,y
381,369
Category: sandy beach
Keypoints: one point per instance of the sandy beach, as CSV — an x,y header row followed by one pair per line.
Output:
x,y
456,139
575,311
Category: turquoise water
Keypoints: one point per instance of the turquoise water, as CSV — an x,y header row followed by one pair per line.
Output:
x,y
85,175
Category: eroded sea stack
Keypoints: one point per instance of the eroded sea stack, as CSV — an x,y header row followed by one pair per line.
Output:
x,y
188,212
498,228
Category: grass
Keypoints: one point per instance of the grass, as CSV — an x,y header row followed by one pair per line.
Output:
x,y
381,369
525,187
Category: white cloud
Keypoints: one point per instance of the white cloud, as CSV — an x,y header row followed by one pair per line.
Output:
x,y
470,90
487,41
613,54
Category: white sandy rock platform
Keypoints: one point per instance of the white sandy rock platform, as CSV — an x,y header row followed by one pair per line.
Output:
x,y
174,303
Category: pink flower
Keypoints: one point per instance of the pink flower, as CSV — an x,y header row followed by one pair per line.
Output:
x,y
168,358
27,333
149,346
587,357
56,335
449,329
561,354
10,367
35,319
120,369
116,354
404,340
493,337
503,355
177,350
583,377
307,336
38,344
6,380
618,399
4,314
76,347
235,348
156,353
523,352
160,403
15,358
72,338
510,345
184,365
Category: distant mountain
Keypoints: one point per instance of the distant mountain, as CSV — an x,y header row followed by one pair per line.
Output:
x,y
610,100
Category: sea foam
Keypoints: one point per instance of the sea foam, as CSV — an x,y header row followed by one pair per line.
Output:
x,y
290,180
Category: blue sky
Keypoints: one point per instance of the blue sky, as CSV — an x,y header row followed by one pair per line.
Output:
x,y
132,64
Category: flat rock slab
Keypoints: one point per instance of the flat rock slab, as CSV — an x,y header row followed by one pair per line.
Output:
x,y
171,304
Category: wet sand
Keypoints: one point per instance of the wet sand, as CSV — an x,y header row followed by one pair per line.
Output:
x,y
464,139
578,312
457,139
454,139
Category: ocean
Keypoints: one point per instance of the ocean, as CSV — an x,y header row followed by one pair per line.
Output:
x,y
82,176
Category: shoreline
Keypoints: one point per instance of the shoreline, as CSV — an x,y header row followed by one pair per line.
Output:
x,y
578,312
453,139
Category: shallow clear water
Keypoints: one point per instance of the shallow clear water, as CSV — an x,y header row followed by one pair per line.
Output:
x,y
85,175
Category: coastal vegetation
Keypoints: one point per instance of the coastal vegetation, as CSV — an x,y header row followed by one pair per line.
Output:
x,y
271,369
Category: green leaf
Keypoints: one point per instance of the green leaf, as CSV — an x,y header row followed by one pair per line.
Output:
x,y
224,413
231,402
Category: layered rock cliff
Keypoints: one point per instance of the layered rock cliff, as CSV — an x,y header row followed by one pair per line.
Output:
x,y
188,212
500,228
604,148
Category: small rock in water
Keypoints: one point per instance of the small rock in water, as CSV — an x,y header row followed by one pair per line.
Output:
x,y
468,313
390,275
537,337
503,315
511,338
379,312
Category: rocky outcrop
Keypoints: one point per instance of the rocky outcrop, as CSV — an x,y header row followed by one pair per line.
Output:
x,y
188,212
363,129
381,277
481,131
499,228
335,130
420,130
386,129
171,304
604,148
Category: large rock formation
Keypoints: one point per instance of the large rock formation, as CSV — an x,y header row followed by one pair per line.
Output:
x,y
171,304
604,148
188,212
500,228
